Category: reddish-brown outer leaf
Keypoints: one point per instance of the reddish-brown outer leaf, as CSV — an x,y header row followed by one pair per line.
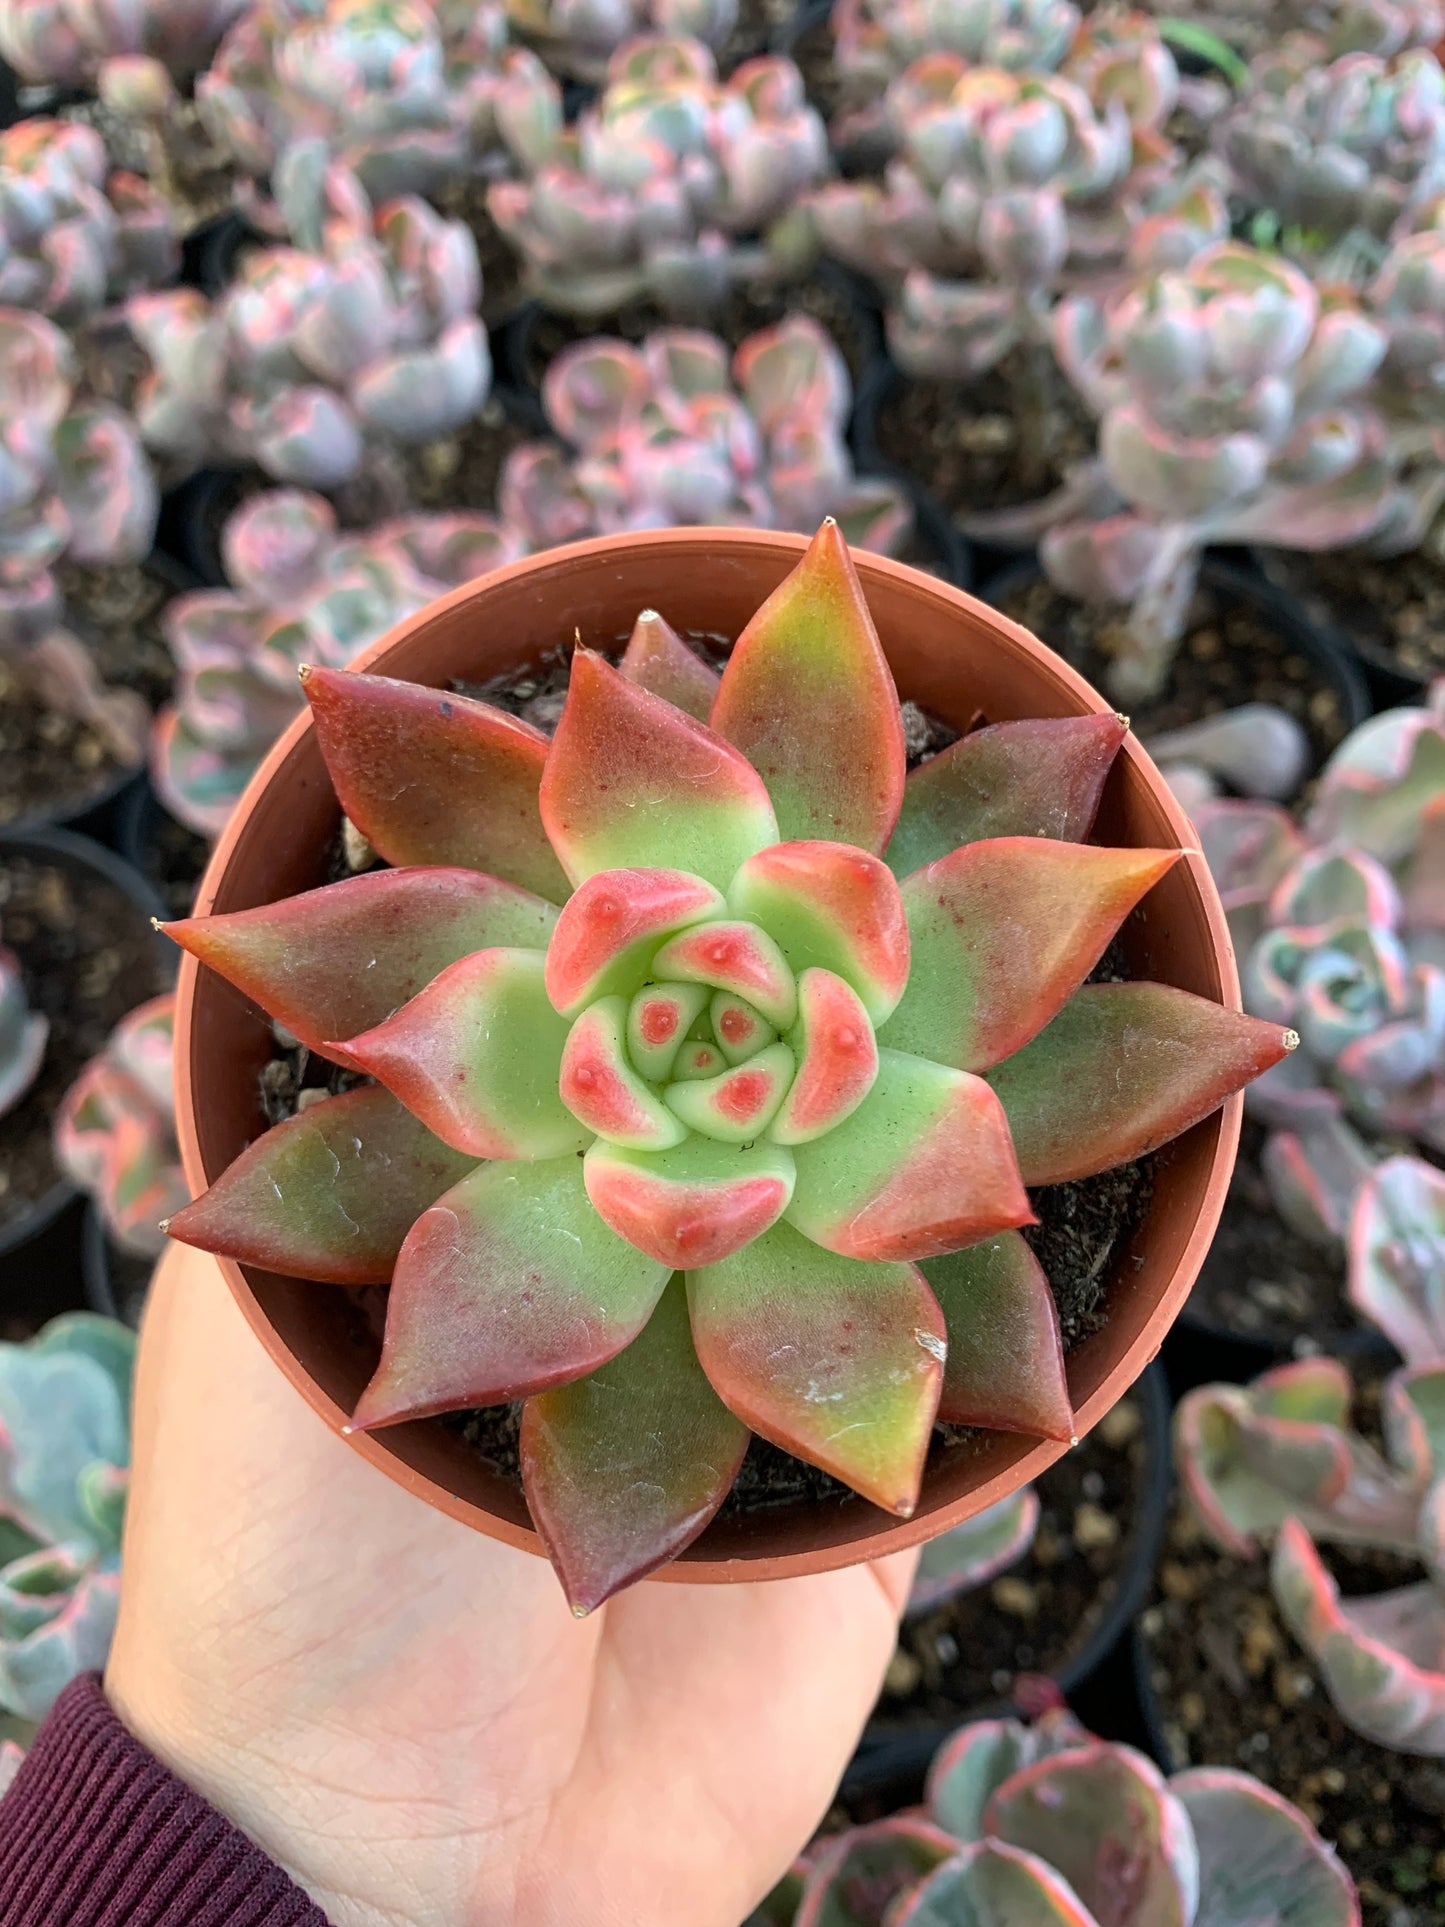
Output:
x,y
509,1285
625,1467
808,697
836,1361
333,962
330,1194
656,658
1005,1366
1121,1070
429,777
1003,933
633,783
1042,777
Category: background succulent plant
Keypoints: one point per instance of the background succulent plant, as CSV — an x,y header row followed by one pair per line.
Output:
x,y
314,365
70,41
967,1556
579,37
72,235
64,1458
680,430
302,593
23,1034
115,1131
1045,1824
1276,1461
808,1103
664,185
1338,26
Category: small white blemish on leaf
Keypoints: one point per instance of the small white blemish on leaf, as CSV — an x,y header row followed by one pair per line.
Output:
x,y
935,1346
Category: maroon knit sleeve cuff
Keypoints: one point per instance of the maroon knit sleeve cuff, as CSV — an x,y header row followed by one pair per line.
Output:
x,y
95,1832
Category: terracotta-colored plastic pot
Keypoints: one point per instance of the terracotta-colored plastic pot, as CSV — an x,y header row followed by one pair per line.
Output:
x,y
956,657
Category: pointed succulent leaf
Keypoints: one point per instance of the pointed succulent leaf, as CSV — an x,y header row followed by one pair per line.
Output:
x,y
968,1768
1005,1364
695,1204
1259,1858
857,1875
698,1059
333,962
832,906
602,1090
1103,1816
631,781
508,1286
836,1361
1003,933
808,674
836,1058
739,1104
993,1885
476,1056
1382,1659
736,956
968,1556
656,658
741,1030
1397,1256
1041,777
429,777
330,1194
1121,1070
923,1166
613,926
625,1467
658,1020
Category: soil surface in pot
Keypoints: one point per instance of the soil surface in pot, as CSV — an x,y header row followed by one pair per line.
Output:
x,y
1393,608
464,199
1261,1280
1039,1616
1230,655
51,764
971,443
1235,1689
195,177
88,956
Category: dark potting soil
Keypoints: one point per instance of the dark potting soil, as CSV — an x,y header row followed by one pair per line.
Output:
x,y
195,178
1262,1280
1235,1689
1040,1615
812,53
87,956
759,24
1392,607
461,471
464,199
51,764
975,446
1229,655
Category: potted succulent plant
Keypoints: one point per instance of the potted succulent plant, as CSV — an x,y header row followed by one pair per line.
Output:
x,y
745,1048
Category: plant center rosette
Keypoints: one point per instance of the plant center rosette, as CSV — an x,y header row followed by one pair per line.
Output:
x,y
710,1061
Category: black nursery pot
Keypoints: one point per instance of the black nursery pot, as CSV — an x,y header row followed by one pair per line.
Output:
x,y
170,857
888,1768
40,1246
115,1282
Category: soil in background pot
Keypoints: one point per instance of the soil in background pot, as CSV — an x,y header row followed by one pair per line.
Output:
x,y
1230,654
52,766
1233,1688
1391,608
88,956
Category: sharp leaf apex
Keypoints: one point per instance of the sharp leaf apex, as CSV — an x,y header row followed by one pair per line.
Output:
x,y
1291,1040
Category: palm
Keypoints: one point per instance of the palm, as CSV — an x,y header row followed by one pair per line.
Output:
x,y
407,1716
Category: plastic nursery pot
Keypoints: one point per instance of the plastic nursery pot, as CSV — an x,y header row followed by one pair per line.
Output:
x,y
167,854
889,1766
115,1283
950,653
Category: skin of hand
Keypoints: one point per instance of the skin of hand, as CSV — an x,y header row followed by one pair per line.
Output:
x,y
405,1715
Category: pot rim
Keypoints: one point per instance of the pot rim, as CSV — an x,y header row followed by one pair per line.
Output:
x,y
891,1535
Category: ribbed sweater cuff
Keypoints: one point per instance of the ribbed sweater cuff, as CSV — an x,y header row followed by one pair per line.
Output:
x,y
95,1832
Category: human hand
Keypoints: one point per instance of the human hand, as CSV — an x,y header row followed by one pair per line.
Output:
x,y
406,1716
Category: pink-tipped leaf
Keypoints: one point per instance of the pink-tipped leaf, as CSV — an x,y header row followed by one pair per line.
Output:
x,y
833,907
835,1361
836,1056
695,1204
1259,1858
969,1768
624,1468
657,659
808,697
331,963
992,1885
740,1103
330,1194
602,1090
429,777
1005,1355
509,1285
612,928
736,956
658,1020
1121,1070
856,1876
740,1029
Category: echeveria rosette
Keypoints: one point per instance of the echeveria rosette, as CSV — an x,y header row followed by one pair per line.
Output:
x,y
712,1060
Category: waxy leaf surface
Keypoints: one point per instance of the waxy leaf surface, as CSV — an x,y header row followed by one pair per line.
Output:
x,y
831,906
337,961
329,1194
657,659
658,1020
735,956
610,931
992,1885
858,1874
1259,1858
739,1104
694,1204
429,777
836,1056
603,1092
1005,1356
509,1285
837,1362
